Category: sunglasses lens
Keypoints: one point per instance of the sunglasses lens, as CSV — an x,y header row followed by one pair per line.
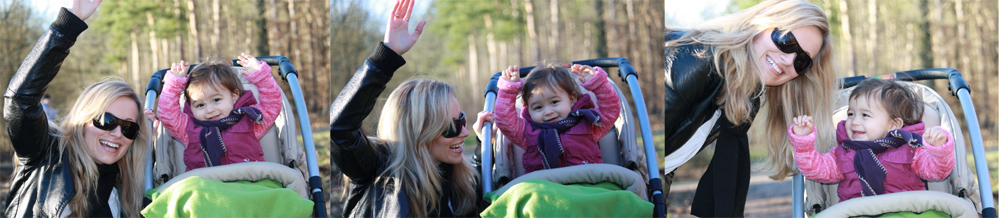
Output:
x,y
456,129
129,129
787,44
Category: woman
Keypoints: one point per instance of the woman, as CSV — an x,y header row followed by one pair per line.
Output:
x,y
717,73
415,166
90,165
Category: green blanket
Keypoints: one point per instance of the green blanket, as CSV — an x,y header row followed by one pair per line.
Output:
x,y
200,197
539,198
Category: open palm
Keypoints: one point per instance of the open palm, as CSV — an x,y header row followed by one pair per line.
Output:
x,y
397,33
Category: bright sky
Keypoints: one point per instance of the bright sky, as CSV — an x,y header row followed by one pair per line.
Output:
x,y
49,9
682,13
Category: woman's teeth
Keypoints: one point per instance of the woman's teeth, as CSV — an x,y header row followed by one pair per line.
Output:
x,y
110,146
773,65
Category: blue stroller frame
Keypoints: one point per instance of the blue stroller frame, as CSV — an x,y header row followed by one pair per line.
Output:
x,y
959,88
628,75
288,73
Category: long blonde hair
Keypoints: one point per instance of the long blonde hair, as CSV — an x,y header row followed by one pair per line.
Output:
x,y
91,104
811,93
416,113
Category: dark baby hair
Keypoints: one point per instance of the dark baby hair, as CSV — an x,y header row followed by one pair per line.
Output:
x,y
215,72
894,97
549,75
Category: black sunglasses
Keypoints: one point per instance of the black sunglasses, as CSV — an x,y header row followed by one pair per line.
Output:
x,y
456,129
788,44
129,129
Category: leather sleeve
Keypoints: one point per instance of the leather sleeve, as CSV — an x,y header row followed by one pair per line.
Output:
x,y
27,125
352,151
690,89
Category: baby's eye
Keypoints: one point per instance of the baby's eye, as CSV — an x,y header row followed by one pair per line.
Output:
x,y
865,115
850,114
555,102
536,108
199,105
217,100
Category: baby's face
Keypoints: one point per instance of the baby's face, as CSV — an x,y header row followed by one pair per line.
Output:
x,y
211,102
550,104
868,120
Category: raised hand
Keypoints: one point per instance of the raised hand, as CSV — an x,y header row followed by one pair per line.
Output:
x,y
511,74
152,118
84,8
935,136
397,31
249,62
179,69
484,116
583,72
802,125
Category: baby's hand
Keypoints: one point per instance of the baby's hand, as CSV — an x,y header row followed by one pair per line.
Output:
x,y
179,69
935,137
802,125
152,117
583,72
484,116
511,74
249,62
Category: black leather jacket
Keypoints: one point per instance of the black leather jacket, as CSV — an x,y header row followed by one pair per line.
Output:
x,y
691,86
359,157
43,183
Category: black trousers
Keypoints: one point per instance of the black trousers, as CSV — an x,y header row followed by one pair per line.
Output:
x,y
722,190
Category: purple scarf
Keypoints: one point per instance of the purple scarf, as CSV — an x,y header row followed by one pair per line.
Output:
x,y
549,143
211,132
869,170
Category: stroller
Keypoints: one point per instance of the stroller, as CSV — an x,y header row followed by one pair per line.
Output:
x,y
286,162
956,196
624,158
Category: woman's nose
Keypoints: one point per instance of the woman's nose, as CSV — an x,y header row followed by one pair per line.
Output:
x,y
117,132
786,58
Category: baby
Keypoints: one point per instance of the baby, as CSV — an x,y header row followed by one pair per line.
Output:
x,y
558,126
880,139
221,123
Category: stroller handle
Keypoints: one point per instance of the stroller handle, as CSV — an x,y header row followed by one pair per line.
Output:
x,y
955,80
624,70
284,65
285,68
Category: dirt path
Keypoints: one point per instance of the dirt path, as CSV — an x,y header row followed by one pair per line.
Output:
x,y
766,198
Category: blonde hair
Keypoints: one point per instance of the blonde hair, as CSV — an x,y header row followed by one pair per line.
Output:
x,y
730,38
417,112
91,104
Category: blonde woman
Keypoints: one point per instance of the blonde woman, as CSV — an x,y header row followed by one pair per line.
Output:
x,y
776,56
415,166
90,165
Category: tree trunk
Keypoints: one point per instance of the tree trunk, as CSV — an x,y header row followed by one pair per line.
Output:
x,y
193,28
845,27
473,63
532,33
873,36
553,29
491,43
153,47
261,36
600,43
216,27
135,60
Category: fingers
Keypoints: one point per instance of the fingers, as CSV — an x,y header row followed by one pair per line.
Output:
x,y
395,10
420,29
409,10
